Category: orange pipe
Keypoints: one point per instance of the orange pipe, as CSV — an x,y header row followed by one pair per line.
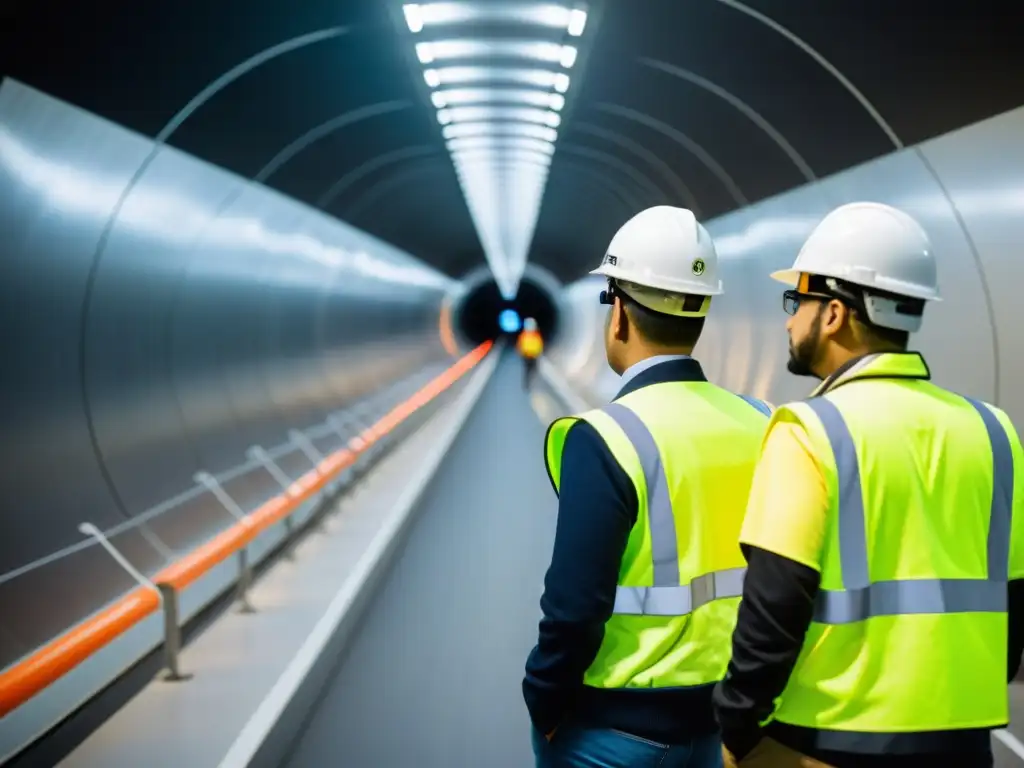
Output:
x,y
40,669
25,679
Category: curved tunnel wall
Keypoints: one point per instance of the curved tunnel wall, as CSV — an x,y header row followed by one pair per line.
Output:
x,y
219,316
967,190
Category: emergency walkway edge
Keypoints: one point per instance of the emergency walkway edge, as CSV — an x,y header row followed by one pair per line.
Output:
x,y
26,678
270,734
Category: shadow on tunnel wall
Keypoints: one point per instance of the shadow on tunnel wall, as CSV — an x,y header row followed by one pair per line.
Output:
x,y
219,316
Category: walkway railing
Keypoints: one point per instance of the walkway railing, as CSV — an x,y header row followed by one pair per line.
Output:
x,y
40,669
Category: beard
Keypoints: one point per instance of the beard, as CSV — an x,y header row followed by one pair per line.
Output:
x,y
802,354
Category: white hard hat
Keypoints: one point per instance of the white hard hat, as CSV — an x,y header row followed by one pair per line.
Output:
x,y
529,324
665,249
874,246
871,245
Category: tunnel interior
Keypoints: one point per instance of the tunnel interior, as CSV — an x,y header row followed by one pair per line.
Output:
x,y
480,311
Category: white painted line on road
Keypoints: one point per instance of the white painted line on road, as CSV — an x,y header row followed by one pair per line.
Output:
x,y
1011,742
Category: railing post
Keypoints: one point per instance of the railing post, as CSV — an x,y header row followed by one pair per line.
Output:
x,y
257,452
172,634
244,582
244,571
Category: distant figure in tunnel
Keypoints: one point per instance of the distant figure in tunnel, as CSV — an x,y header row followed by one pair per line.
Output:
x,y
883,609
641,595
531,346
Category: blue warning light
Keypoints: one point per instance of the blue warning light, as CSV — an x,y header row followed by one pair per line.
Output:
x,y
509,321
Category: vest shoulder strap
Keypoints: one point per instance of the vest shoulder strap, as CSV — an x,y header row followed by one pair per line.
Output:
x,y
860,598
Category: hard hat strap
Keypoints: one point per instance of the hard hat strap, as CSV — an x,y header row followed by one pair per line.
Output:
x,y
880,309
681,305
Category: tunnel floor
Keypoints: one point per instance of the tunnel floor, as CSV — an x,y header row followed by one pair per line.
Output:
x,y
433,677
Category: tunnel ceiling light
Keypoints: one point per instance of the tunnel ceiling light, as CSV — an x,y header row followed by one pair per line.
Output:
x,y
460,96
539,50
500,142
524,130
498,154
541,78
553,15
498,100
577,22
537,161
500,114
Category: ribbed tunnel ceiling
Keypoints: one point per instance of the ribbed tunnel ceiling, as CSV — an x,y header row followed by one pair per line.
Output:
x,y
706,103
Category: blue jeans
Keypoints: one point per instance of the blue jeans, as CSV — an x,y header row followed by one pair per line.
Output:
x,y
576,746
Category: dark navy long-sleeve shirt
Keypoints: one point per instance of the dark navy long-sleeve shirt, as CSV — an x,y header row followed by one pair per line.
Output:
x,y
596,510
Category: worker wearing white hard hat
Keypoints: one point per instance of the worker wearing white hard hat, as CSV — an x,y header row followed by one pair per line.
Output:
x,y
646,572
884,540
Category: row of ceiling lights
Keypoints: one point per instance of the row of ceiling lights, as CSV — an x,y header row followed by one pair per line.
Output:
x,y
498,101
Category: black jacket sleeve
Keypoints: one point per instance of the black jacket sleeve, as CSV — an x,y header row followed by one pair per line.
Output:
x,y
776,610
597,508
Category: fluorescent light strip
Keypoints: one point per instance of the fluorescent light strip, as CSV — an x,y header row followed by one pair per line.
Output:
x,y
517,114
440,50
488,142
501,154
493,152
489,128
542,78
419,15
456,96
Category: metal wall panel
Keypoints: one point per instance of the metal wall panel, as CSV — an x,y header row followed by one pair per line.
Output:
x,y
222,315
967,190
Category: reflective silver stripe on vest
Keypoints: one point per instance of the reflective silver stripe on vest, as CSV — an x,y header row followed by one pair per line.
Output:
x,y
667,597
761,405
861,599
680,600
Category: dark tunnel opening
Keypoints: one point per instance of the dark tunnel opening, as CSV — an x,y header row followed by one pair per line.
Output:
x,y
479,315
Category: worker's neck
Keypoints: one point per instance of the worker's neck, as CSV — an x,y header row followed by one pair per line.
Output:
x,y
837,356
646,352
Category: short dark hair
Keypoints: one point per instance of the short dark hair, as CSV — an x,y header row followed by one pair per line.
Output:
x,y
661,329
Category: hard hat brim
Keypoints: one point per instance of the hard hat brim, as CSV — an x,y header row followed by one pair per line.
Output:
x,y
609,271
791,277
788,277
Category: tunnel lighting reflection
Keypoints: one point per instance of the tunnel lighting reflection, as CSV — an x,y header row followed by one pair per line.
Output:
x,y
541,78
500,143
539,50
500,114
161,212
509,321
418,15
534,98
524,130
512,156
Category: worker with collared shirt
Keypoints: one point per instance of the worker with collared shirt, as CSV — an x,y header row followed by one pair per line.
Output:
x,y
882,608
641,594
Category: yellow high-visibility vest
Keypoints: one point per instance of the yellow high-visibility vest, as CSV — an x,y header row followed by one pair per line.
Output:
x,y
530,344
690,449
910,626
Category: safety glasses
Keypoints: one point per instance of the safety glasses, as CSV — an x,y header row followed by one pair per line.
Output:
x,y
608,294
791,300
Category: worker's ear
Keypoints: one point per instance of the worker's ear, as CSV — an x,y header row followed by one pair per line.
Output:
x,y
620,321
836,318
